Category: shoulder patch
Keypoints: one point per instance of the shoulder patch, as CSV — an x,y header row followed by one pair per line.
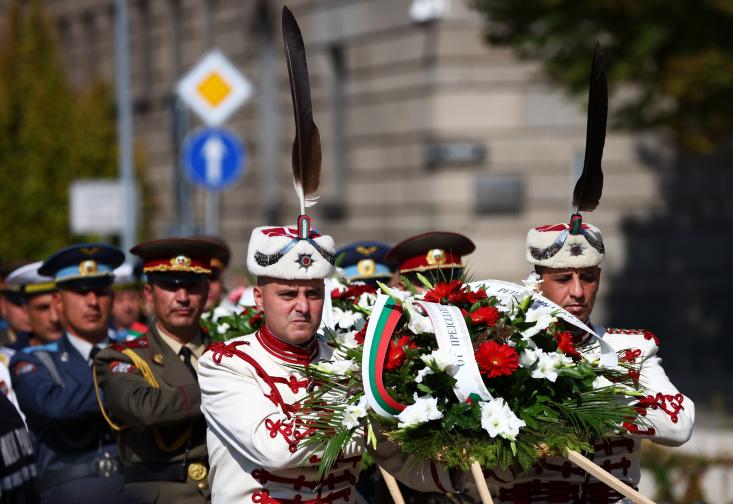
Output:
x,y
23,367
648,335
119,367
48,347
141,342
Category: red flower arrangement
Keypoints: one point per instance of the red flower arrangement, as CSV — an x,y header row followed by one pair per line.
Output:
x,y
485,315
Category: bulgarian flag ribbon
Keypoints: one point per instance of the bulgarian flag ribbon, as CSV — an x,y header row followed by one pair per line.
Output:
x,y
386,314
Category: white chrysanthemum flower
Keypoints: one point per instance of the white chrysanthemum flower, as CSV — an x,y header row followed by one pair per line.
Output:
x,y
602,382
223,328
345,319
220,311
532,282
548,365
542,317
339,367
506,303
417,324
442,359
347,339
423,410
498,419
422,374
528,357
354,412
366,300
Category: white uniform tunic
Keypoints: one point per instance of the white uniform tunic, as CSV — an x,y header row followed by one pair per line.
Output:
x,y
667,417
249,394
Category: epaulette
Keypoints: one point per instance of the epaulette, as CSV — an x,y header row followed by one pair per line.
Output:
x,y
48,347
141,342
638,332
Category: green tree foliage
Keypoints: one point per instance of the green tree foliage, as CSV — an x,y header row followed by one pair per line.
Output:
x,y
49,135
674,60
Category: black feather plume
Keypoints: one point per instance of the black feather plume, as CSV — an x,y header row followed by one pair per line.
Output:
x,y
307,144
588,189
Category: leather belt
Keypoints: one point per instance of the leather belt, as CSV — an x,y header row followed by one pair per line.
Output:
x,y
194,471
104,467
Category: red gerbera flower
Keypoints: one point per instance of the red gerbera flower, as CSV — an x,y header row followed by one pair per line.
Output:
x,y
396,355
485,315
442,290
473,297
565,344
496,360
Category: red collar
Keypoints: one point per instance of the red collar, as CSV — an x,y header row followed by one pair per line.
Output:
x,y
292,354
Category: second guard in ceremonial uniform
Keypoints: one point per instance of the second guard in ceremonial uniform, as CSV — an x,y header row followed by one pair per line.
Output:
x,y
77,455
150,384
566,257
14,323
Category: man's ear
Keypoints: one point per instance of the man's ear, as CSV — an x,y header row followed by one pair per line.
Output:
x,y
257,294
148,293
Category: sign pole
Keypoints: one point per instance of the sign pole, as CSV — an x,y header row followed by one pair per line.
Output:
x,y
212,216
124,127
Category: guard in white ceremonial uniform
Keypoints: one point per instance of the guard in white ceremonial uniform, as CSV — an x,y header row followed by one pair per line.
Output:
x,y
566,258
570,277
251,385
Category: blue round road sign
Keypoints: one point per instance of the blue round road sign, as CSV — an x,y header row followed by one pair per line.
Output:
x,y
214,158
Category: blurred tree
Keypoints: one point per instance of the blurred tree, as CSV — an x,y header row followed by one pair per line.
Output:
x,y
49,135
673,60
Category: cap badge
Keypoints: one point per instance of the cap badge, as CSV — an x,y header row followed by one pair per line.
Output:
x,y
366,267
88,267
305,261
435,257
366,251
181,261
89,250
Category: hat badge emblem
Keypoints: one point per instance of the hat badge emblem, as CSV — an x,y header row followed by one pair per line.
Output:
x,y
181,261
435,257
88,267
366,251
366,267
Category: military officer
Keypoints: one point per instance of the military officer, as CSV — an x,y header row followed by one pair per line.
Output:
x,y
219,264
14,332
437,255
77,456
151,383
363,261
37,294
127,318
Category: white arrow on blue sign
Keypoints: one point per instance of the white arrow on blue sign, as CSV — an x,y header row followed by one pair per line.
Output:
x,y
214,158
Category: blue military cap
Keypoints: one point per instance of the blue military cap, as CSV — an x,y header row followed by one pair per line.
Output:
x,y
364,260
85,263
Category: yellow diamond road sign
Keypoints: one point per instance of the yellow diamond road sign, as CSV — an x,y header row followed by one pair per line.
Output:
x,y
214,89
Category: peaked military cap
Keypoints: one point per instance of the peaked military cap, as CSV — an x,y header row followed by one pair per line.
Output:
x,y
434,250
28,282
178,259
364,260
89,264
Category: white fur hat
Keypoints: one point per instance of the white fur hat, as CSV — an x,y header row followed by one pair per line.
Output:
x,y
556,246
278,252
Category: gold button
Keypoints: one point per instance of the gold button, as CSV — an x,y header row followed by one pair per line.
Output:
x,y
197,472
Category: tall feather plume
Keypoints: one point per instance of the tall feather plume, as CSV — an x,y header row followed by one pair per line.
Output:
x,y
307,143
588,189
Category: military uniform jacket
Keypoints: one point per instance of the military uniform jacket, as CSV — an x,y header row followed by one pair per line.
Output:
x,y
55,390
154,401
250,386
667,418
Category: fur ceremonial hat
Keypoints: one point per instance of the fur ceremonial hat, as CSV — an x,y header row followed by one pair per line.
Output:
x,y
298,253
555,246
576,244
